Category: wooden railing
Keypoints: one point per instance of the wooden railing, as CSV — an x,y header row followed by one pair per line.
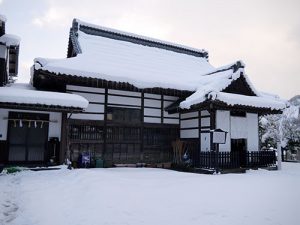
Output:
x,y
232,160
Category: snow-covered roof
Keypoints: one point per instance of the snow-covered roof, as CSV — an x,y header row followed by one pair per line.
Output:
x,y
140,65
26,94
10,40
262,101
108,58
2,18
136,36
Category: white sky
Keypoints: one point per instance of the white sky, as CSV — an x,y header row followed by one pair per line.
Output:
x,y
264,34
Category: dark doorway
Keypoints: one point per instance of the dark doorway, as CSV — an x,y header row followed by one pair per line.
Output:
x,y
239,147
27,137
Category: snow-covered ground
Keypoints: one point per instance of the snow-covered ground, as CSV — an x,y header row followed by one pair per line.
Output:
x,y
138,196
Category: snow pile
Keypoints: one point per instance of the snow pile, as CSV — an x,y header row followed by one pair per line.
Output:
x,y
10,40
295,100
25,94
3,18
141,196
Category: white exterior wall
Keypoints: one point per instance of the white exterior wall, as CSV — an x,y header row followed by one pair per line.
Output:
x,y
153,109
192,133
3,124
223,122
124,99
253,139
54,127
170,118
3,51
188,120
205,128
96,98
205,142
152,115
246,127
238,128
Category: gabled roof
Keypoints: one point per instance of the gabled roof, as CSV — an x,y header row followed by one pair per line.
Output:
x,y
112,55
96,30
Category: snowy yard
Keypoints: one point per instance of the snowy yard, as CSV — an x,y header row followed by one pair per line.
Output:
x,y
137,196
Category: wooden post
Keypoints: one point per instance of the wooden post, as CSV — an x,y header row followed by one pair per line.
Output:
x,y
279,155
63,139
217,159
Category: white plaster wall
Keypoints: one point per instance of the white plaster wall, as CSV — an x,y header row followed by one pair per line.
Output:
x,y
205,141
124,100
205,113
171,121
239,127
189,115
252,124
3,124
152,103
152,120
205,122
174,115
152,112
83,88
171,98
152,96
95,95
85,116
223,122
246,127
3,51
126,93
189,123
192,133
98,98
95,108
55,128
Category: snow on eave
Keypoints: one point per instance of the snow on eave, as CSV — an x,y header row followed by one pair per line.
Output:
x,y
222,79
132,35
24,94
238,71
3,18
251,101
10,40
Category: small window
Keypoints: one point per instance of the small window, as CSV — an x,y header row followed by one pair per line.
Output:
x,y
123,115
238,113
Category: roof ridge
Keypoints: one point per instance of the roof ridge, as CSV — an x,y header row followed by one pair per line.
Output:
x,y
93,29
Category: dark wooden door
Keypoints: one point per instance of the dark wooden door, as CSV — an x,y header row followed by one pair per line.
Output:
x,y
27,139
239,147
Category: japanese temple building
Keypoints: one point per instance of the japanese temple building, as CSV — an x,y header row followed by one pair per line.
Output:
x,y
128,98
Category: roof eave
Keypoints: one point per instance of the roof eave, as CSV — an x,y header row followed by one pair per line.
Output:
x,y
40,107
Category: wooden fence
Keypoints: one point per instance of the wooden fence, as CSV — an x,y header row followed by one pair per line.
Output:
x,y
232,160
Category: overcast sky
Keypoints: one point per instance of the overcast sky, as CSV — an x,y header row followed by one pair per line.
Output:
x,y
265,34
